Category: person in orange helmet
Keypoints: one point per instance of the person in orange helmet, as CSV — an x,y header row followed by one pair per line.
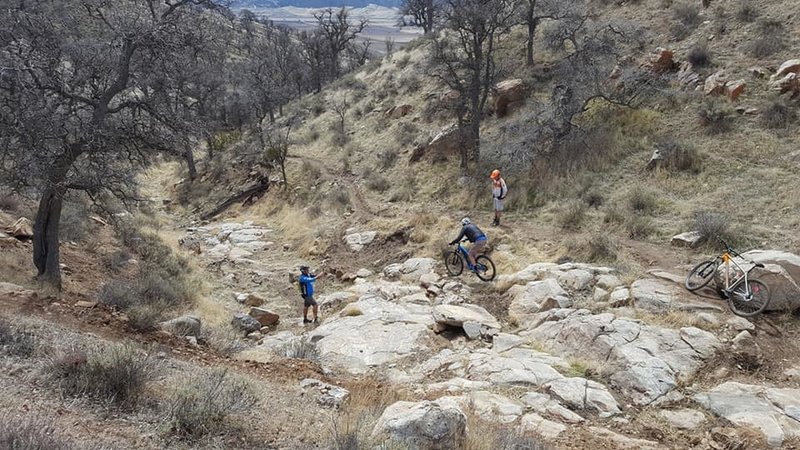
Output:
x,y
499,192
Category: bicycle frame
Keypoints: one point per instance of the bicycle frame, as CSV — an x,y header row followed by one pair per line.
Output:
x,y
464,254
730,285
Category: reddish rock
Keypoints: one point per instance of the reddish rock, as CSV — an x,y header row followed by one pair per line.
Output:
x,y
21,229
265,317
735,88
509,93
789,83
715,84
661,60
398,111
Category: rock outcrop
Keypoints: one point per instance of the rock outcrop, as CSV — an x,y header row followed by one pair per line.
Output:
x,y
509,94
426,425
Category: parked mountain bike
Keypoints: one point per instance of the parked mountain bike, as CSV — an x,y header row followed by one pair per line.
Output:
x,y
456,259
746,297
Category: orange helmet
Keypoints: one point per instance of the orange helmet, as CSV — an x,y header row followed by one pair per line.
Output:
x,y
495,174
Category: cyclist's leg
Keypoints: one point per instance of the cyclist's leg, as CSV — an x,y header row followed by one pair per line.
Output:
x,y
476,249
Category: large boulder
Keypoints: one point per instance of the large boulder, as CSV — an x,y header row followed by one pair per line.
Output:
x,y
790,66
371,332
187,325
715,83
661,60
781,275
412,269
446,143
509,94
468,317
398,111
245,322
775,412
528,299
426,425
644,362
690,239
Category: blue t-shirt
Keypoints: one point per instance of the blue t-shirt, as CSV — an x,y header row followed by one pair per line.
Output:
x,y
307,281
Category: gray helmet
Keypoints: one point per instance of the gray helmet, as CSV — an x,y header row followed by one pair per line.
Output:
x,y
465,221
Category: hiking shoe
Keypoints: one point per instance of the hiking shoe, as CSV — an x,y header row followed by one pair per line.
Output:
x,y
306,321
316,320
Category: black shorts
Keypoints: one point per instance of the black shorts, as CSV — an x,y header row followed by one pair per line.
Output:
x,y
308,300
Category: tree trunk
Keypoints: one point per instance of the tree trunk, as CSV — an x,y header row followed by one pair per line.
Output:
x,y
45,236
529,44
210,148
283,173
189,156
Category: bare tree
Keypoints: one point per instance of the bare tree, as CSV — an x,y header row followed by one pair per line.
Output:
x,y
464,59
86,93
535,11
277,149
337,32
423,13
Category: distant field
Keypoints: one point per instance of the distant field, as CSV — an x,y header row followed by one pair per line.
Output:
x,y
382,22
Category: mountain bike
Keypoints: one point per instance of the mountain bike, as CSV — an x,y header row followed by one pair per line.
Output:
x,y
456,259
746,297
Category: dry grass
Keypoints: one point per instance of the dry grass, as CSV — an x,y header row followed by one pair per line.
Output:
x,y
485,435
571,216
203,403
598,248
16,340
116,374
675,319
31,432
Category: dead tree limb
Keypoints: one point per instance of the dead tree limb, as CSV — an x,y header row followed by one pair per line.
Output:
x,y
247,194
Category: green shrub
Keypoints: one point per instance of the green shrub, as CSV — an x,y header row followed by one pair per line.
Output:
x,y
115,374
202,403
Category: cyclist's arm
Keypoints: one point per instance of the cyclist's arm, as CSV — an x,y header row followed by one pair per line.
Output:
x,y
460,236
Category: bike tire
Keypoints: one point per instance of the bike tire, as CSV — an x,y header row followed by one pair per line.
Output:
x,y
488,273
453,263
701,275
749,307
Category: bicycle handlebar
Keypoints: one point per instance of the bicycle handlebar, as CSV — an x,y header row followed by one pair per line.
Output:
x,y
735,253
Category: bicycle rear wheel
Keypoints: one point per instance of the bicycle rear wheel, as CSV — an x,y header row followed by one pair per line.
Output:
x,y
484,268
701,275
453,263
748,299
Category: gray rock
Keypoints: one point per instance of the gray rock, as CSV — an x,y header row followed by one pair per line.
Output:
x,y
575,279
765,409
582,394
423,425
505,341
684,419
543,404
474,317
537,424
653,295
364,273
245,323
620,297
624,442
599,294
325,394
357,241
744,340
608,282
690,239
264,317
488,406
527,299
645,362
708,318
245,235
740,324
186,325
782,275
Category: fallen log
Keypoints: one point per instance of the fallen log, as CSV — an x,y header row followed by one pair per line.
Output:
x,y
247,195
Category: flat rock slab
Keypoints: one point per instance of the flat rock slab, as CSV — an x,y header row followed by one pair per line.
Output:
x,y
431,425
684,419
772,411
644,362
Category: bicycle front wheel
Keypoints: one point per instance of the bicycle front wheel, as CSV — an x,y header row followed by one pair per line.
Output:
x,y
748,299
701,275
453,263
484,268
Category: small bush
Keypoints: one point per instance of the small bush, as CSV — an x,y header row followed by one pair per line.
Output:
x,y
300,349
407,190
593,199
746,11
699,56
614,215
116,260
116,374
314,211
639,227
571,216
203,403
778,115
387,158
311,171
225,340
147,299
600,249
377,182
339,138
678,155
713,226
643,201
770,40
313,135
16,341
341,198
30,432
715,117
686,13
402,61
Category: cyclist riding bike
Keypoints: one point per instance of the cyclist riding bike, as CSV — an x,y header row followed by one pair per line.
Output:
x,y
475,236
